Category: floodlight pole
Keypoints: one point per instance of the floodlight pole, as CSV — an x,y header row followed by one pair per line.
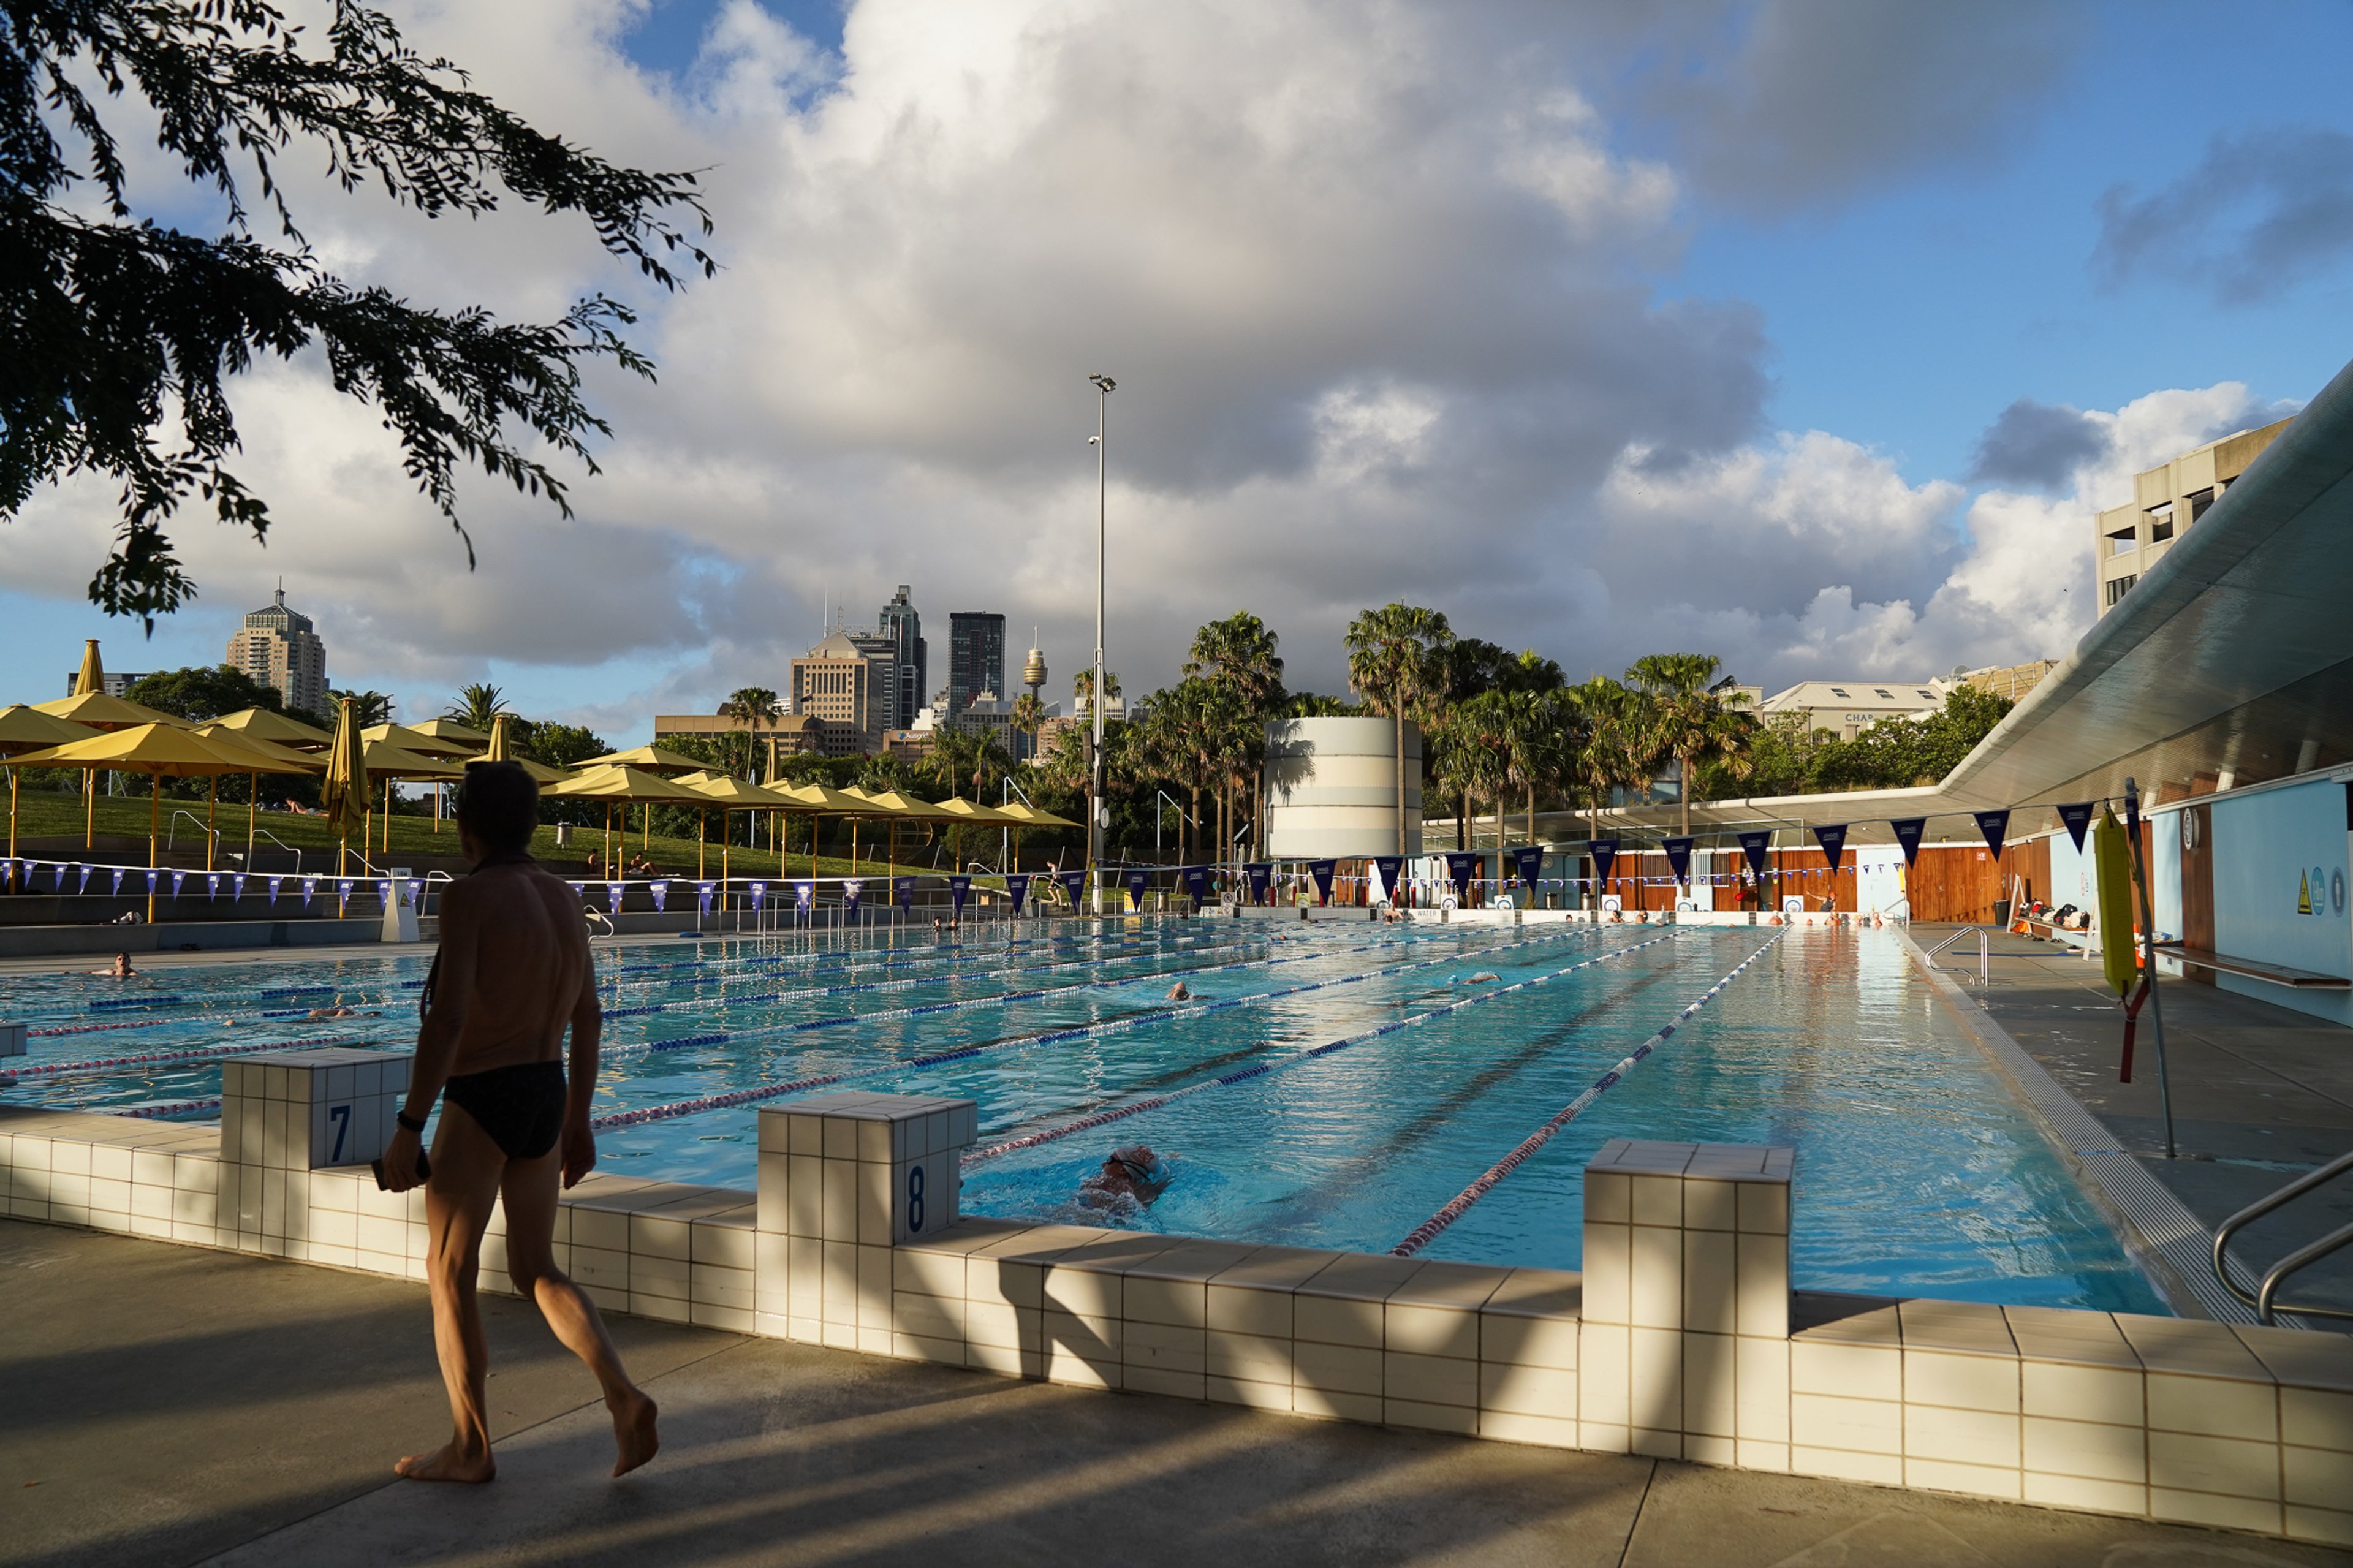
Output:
x,y
1104,387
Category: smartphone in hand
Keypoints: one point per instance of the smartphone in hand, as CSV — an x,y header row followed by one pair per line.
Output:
x,y
424,1170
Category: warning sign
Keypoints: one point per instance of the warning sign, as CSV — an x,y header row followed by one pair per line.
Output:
x,y
2303,893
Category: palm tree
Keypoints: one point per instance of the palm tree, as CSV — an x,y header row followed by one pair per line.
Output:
x,y
1187,738
752,707
1390,667
1239,654
1690,708
1028,718
1607,718
371,707
478,707
1532,737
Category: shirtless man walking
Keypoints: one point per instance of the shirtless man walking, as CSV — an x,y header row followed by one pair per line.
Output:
x,y
513,970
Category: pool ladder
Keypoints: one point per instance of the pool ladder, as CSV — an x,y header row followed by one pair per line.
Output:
x,y
1984,973
2266,1296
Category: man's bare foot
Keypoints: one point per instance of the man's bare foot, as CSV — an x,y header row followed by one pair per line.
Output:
x,y
448,1463
633,1433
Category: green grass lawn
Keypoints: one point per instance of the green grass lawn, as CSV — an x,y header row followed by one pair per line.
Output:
x,y
45,813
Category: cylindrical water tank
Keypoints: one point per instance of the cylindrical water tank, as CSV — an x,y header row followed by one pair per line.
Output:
x,y
1332,788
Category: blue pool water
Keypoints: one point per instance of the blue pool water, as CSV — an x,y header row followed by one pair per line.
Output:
x,y
1917,1171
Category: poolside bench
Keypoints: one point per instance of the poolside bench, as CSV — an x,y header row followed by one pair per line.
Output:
x,y
2254,969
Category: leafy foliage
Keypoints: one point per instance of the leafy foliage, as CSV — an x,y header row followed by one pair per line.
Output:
x,y
371,707
124,332
203,691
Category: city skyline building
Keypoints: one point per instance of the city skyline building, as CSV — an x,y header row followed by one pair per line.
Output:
x,y
911,656
280,648
2168,499
841,683
976,659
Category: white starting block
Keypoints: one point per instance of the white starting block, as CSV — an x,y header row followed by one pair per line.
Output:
x,y
399,913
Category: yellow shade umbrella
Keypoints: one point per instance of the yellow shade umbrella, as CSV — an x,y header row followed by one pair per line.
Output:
x,y
962,812
730,794
618,785
344,792
270,757
269,724
92,676
652,759
450,730
418,741
24,729
90,705
159,751
1027,815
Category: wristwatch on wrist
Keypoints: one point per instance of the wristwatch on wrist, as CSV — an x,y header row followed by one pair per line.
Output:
x,y
412,1123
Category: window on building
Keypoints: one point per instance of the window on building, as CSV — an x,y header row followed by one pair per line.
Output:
x,y
1838,691
1883,691
2123,541
2117,588
2199,501
1929,695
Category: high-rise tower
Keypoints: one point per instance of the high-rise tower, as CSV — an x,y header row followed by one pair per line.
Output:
x,y
975,658
279,648
901,624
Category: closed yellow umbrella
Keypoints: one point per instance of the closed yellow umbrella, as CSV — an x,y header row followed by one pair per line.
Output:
x,y
159,751
266,753
502,750
344,792
24,729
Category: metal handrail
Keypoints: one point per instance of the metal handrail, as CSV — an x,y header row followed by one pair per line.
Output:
x,y
174,820
2268,1292
265,833
1985,973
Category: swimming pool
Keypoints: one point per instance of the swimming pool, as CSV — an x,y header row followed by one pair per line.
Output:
x,y
1327,1085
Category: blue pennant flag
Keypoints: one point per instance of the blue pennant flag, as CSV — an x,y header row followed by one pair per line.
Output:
x,y
310,887
1387,867
613,891
1605,855
119,872
851,887
154,879
703,891
1261,874
237,884
1679,857
1195,880
1758,847
1074,884
83,886
1016,888
1995,826
804,896
902,891
661,890
177,879
1139,882
959,889
2077,818
212,885
58,878
759,895
1909,834
384,891
275,883
416,893
1529,864
1322,872
1833,842
1461,865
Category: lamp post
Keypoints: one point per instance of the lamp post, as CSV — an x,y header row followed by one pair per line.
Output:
x,y
1104,386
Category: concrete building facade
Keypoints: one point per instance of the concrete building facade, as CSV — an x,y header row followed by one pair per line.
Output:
x,y
279,649
909,658
841,683
1332,788
2167,500
1846,708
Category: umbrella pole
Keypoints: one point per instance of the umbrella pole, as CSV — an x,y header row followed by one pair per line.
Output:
x,y
212,804
252,805
154,822
12,817
89,810
645,826
702,844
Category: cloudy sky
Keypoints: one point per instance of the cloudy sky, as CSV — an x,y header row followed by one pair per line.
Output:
x,y
1807,334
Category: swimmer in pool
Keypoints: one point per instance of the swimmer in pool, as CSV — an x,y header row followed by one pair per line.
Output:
x,y
1177,993
320,1014
119,970
1483,976
513,974
1134,1174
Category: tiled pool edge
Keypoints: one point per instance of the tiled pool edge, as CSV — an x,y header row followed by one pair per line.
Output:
x,y
1681,1340
2169,1243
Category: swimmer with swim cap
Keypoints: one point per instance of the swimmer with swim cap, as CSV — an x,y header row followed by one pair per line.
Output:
x,y
1134,1174
1177,993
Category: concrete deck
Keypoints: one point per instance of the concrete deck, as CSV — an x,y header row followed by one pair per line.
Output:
x,y
170,1405
2260,1094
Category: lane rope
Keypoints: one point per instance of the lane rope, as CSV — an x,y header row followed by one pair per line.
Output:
x,y
1428,1230
1268,1069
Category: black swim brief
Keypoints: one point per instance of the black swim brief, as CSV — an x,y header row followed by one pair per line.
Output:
x,y
520,1107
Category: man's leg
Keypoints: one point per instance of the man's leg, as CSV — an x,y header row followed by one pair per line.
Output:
x,y
530,1191
457,1201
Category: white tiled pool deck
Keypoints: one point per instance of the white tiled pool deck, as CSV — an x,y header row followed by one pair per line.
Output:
x,y
1681,1340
